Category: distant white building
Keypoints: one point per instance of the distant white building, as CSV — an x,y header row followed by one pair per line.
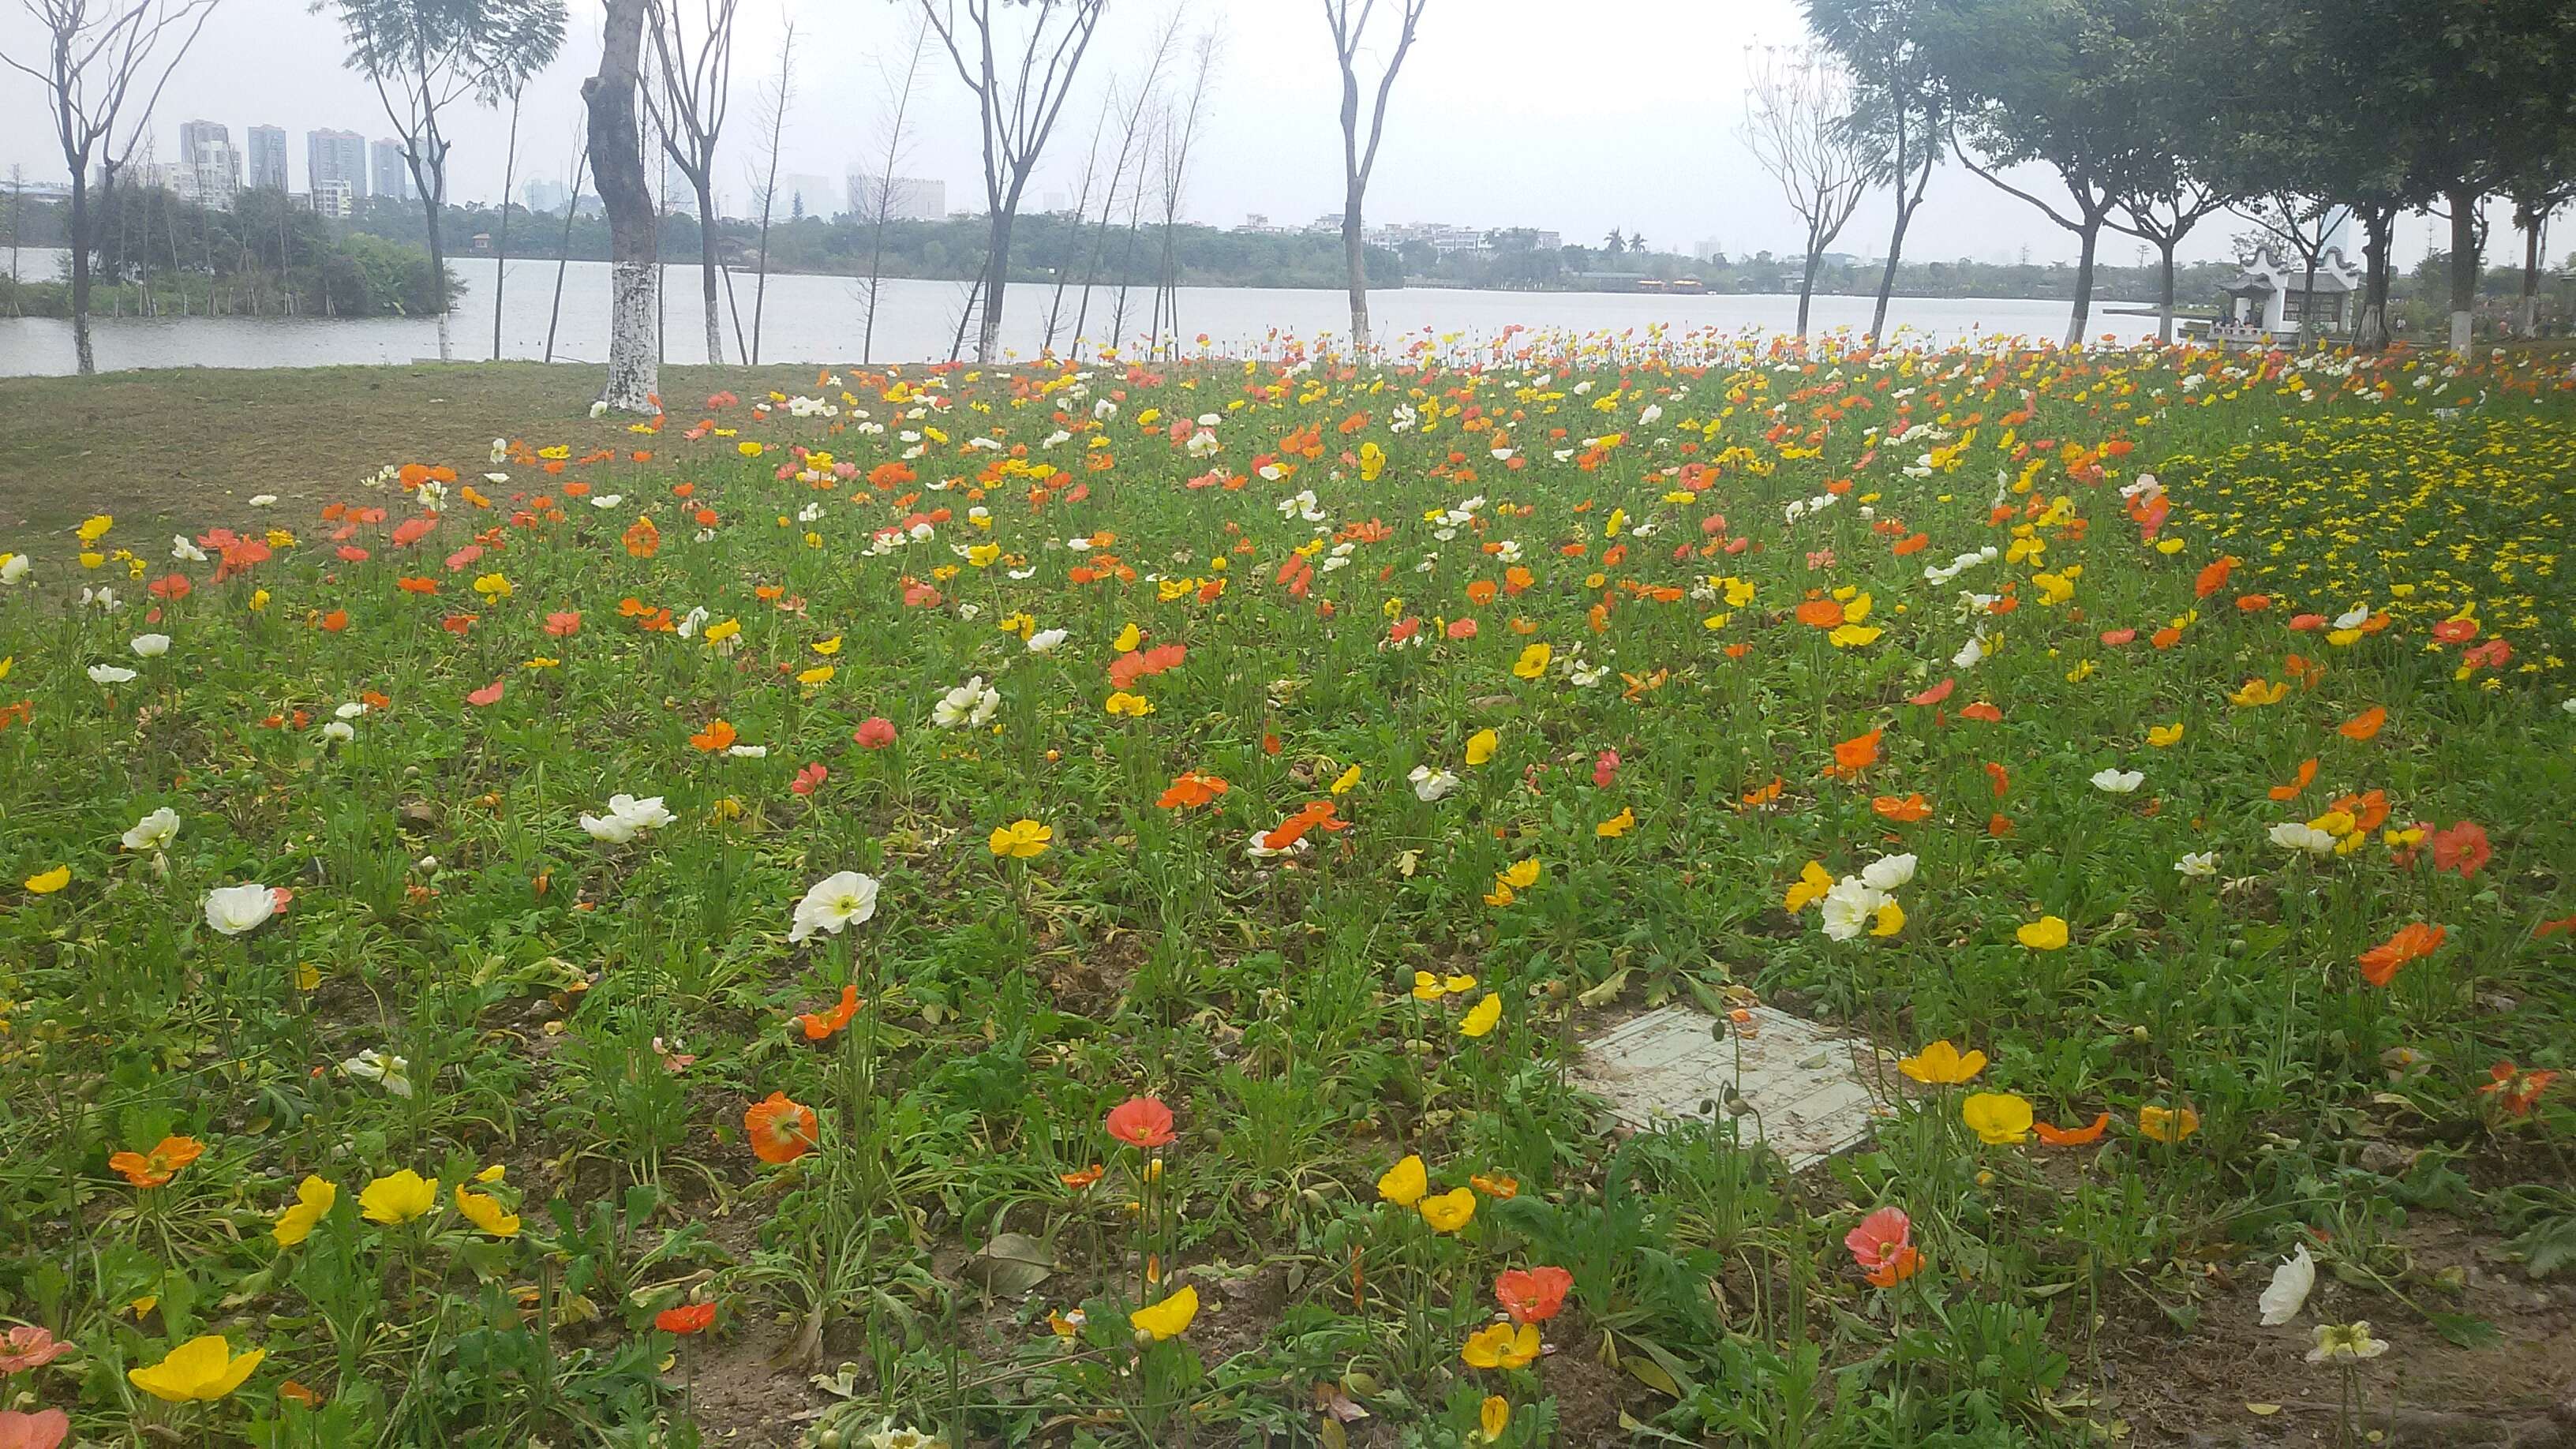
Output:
x,y
335,157
546,198
208,170
267,157
801,194
1708,249
2272,300
908,198
390,173
336,200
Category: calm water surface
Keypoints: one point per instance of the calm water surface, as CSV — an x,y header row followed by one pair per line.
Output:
x,y
820,319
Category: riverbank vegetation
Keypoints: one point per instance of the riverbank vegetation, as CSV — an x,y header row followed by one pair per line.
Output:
x,y
159,256
1066,905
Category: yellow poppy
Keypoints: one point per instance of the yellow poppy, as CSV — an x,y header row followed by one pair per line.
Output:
x,y
2048,933
1481,746
1406,1182
203,1369
1998,1118
1449,1211
314,1199
398,1198
1481,1017
1942,1064
1501,1345
1169,1318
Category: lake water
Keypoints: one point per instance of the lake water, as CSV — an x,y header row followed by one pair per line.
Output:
x,y
819,319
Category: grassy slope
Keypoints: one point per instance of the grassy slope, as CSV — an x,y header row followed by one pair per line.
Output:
x,y
187,447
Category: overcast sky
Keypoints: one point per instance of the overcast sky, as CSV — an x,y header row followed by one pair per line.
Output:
x,y
1508,113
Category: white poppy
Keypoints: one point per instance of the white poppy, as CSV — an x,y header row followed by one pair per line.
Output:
x,y
391,1072
2298,835
969,705
262,500
2204,863
1045,641
184,551
110,673
834,902
234,910
1430,785
1849,906
149,646
339,731
1888,872
2289,1289
153,831
2118,781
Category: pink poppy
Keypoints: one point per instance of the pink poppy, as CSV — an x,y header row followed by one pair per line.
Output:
x,y
874,733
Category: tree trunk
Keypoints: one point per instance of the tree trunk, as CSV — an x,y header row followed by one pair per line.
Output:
x,y
1355,259
2464,266
997,269
2165,298
617,160
501,244
2307,302
2082,319
80,221
1887,278
705,182
1807,286
2370,329
563,251
2526,309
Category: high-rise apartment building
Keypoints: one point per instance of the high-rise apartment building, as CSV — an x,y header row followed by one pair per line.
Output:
x,y
336,157
908,198
267,157
391,172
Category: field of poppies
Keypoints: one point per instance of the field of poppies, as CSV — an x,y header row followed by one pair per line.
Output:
x,y
1055,905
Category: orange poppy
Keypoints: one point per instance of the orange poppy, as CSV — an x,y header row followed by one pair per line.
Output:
x,y
780,1130
2413,942
153,1168
2056,1136
820,1025
1192,788
715,738
2365,724
1855,755
1821,613
2307,773
1906,811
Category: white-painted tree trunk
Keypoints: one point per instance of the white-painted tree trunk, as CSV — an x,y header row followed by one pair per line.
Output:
x,y
633,377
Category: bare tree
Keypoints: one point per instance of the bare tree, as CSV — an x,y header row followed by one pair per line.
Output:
x,y
1180,131
563,248
696,90
1798,125
634,232
1073,229
775,100
875,203
425,56
1131,127
97,53
2534,202
518,86
1018,101
1350,33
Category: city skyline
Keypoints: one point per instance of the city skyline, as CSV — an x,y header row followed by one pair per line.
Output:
x,y
1472,142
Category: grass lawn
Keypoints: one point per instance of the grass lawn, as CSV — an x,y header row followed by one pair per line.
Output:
x,y
190,446
1066,907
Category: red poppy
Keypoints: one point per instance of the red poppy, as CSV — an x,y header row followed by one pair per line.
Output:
x,y
1883,1247
2463,848
809,779
687,1318
1140,1122
1982,712
564,623
1532,1295
874,733
2515,1089
1605,768
1935,694
489,694
2456,631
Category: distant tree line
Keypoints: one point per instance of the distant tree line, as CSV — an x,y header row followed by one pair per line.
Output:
x,y
2149,117
153,253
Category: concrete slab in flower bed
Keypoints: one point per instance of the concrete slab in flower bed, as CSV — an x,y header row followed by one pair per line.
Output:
x,y
1808,1088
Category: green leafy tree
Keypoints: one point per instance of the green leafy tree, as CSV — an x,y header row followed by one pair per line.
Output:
x,y
426,56
1900,108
